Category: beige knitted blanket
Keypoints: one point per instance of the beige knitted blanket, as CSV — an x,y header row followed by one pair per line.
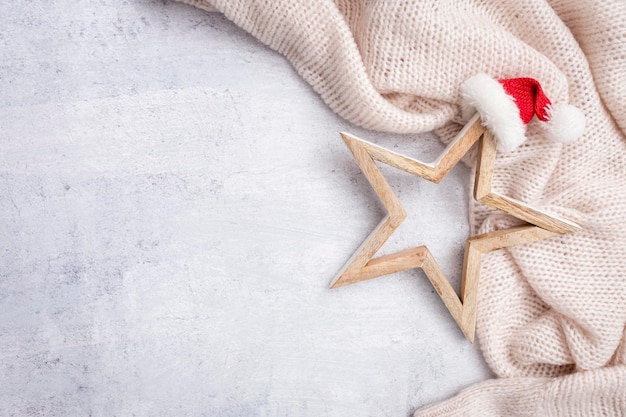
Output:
x,y
552,315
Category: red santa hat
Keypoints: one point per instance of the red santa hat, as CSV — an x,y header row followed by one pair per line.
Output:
x,y
507,106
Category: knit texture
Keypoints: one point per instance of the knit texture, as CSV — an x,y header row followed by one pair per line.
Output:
x,y
529,98
551,315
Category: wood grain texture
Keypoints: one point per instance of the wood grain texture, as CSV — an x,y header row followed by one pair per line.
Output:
x,y
434,171
484,194
361,266
484,165
462,307
395,212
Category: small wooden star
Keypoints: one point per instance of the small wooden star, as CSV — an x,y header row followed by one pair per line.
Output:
x,y
540,225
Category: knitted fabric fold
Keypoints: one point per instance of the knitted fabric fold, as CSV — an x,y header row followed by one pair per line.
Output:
x,y
551,315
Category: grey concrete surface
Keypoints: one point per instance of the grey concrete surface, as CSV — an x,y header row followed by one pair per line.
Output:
x,y
174,201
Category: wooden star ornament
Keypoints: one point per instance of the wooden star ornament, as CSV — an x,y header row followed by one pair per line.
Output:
x,y
363,266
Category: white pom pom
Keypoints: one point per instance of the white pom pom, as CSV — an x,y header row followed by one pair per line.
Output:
x,y
497,109
565,124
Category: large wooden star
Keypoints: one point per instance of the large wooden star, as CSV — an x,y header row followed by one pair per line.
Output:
x,y
540,225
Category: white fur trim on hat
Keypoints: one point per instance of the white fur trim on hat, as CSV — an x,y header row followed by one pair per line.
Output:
x,y
497,109
565,124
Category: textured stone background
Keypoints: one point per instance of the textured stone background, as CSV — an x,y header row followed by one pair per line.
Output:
x,y
174,202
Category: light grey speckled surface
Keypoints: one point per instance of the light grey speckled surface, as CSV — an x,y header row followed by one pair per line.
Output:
x,y
174,201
